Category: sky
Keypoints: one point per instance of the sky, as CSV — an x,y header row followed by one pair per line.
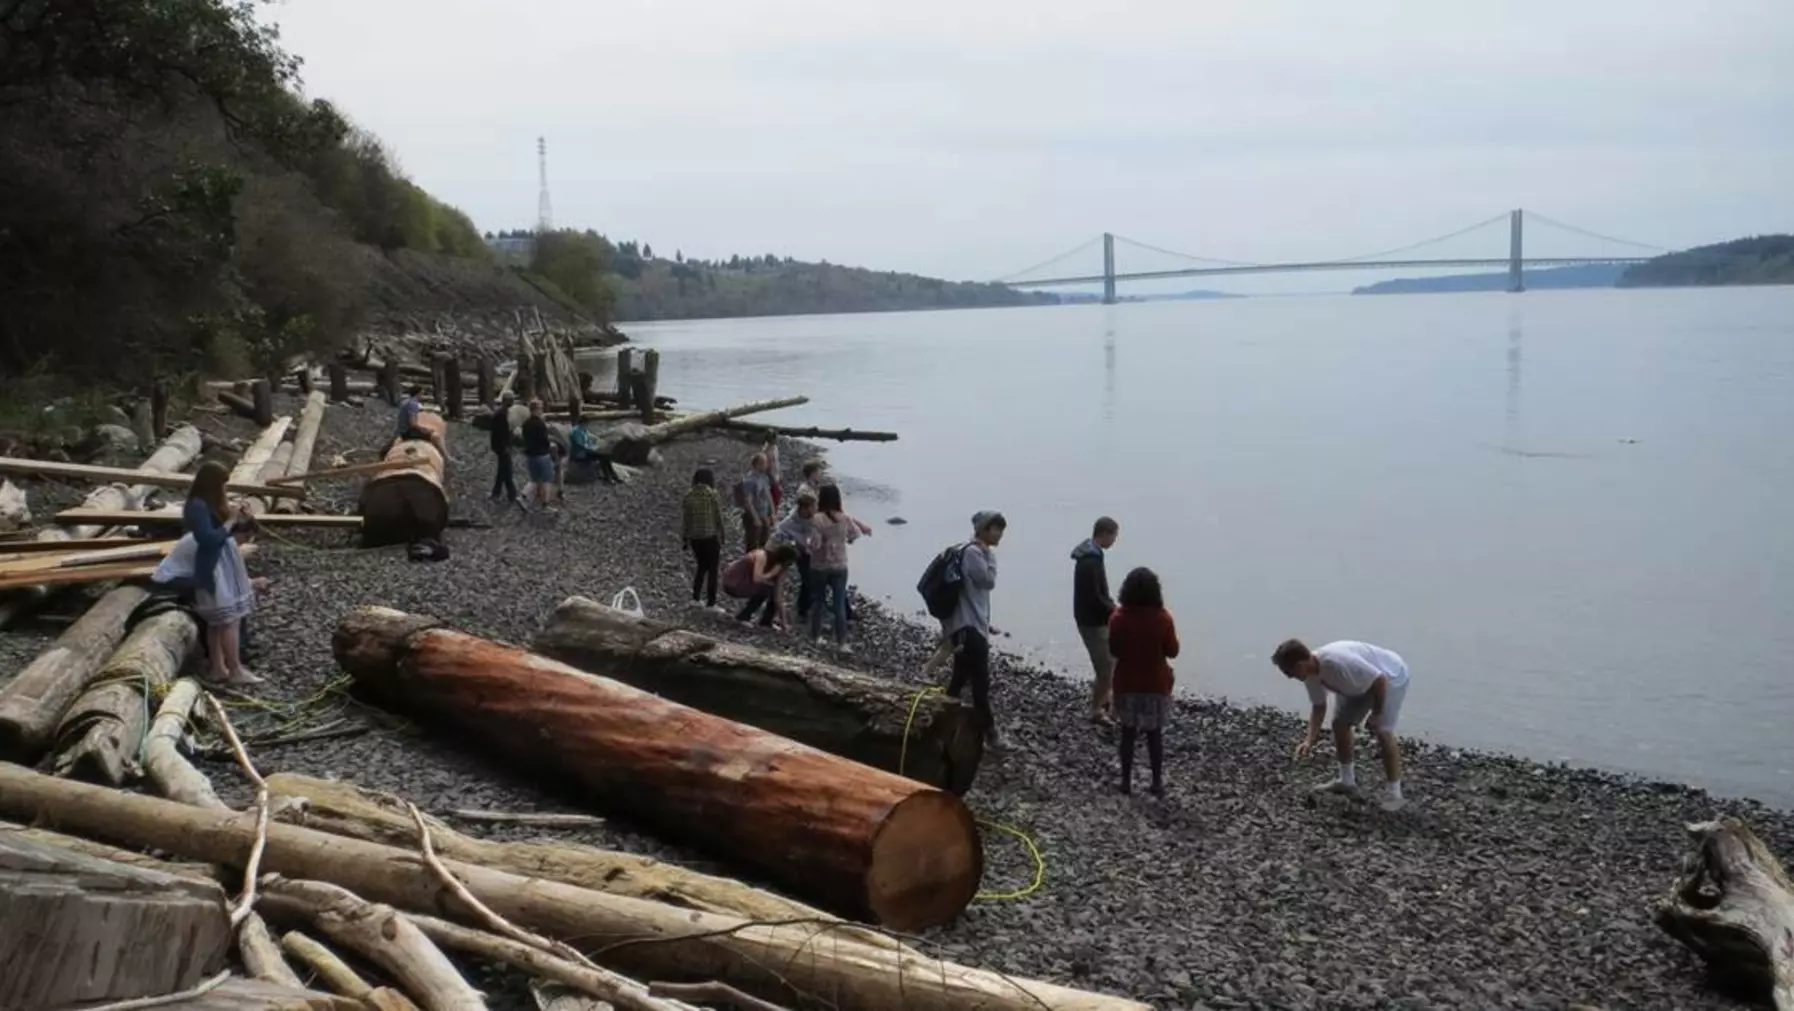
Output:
x,y
975,138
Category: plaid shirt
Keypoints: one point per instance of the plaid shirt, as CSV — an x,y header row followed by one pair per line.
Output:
x,y
703,514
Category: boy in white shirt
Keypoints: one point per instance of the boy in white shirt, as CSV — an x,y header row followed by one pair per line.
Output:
x,y
1368,682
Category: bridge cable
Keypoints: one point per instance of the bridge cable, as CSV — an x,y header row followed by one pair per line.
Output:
x,y
1080,247
1553,222
1381,253
1186,256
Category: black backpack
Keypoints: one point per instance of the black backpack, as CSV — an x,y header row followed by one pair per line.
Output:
x,y
943,582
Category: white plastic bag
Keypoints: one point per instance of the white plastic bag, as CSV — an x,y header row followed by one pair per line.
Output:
x,y
628,602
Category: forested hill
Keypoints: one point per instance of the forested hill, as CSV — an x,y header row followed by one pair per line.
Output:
x,y
1761,259
169,201
627,280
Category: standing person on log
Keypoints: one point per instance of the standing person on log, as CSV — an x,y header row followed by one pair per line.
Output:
x,y
504,478
1368,683
754,495
222,592
1091,608
406,425
755,577
701,527
831,531
538,454
796,530
969,629
1143,638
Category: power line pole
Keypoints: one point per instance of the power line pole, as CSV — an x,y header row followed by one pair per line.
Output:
x,y
544,209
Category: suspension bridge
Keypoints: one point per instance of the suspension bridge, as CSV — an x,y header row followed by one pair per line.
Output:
x,y
1400,258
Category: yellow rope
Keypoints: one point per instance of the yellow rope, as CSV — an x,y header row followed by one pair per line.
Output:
x,y
1033,850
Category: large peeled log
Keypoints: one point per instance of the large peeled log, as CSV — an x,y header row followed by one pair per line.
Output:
x,y
1734,907
849,837
408,504
102,733
32,704
840,711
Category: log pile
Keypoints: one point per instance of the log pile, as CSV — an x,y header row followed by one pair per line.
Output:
x,y
854,839
929,738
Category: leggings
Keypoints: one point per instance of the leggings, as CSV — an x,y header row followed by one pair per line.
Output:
x,y
1155,752
971,663
708,552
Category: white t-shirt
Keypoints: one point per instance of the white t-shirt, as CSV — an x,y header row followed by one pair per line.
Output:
x,y
1349,668
178,564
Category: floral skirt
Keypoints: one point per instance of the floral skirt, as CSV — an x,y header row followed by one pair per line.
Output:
x,y
232,598
1143,710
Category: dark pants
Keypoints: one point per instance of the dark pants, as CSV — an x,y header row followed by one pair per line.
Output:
x,y
606,469
971,663
1155,753
764,596
505,479
829,587
709,552
753,532
805,592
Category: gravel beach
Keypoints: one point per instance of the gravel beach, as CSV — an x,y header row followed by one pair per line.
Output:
x,y
1505,884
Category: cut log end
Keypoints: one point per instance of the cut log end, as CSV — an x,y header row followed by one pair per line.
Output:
x,y
408,504
926,863
1734,907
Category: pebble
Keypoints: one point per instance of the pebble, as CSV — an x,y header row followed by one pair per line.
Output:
x,y
1505,884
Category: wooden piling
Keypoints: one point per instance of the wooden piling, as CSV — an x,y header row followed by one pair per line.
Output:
x,y
262,396
452,389
339,382
485,381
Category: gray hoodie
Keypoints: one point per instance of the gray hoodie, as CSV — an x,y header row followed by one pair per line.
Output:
x,y
978,568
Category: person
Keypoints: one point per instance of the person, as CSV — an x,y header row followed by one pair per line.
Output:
x,y
504,478
812,472
538,454
969,628
832,530
815,476
755,577
1091,607
701,527
223,594
1368,683
771,450
796,529
1142,638
754,495
584,451
409,408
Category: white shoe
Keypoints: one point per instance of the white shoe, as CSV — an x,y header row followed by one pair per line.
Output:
x,y
1391,802
1333,786
844,649
822,642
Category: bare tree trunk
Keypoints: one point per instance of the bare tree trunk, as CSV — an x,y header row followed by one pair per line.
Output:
x,y
102,734
32,703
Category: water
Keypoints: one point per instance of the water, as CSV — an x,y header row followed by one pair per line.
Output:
x,y
1568,510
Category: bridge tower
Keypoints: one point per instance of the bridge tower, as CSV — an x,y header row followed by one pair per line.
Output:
x,y
1108,269
1516,277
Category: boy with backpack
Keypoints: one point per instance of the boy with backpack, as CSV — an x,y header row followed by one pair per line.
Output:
x,y
956,588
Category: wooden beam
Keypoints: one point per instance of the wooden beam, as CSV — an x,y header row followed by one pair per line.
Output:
x,y
11,549
353,470
122,517
125,475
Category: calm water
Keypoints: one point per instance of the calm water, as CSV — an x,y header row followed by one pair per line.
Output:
x,y
1570,511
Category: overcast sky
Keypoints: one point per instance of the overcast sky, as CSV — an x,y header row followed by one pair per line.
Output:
x,y
970,139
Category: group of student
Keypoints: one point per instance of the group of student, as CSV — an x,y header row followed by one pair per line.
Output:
x,y
1131,637
810,540
544,459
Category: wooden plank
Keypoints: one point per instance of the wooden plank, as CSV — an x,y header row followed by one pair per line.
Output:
x,y
377,467
87,574
93,926
125,475
172,518
8,550
46,561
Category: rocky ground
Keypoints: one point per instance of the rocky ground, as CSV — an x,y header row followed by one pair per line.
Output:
x,y
1505,884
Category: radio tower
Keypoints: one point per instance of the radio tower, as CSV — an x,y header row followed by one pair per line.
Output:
x,y
544,210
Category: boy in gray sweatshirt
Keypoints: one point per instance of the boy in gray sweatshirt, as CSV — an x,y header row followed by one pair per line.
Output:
x,y
969,628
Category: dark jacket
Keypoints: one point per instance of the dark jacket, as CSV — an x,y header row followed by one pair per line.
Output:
x,y
209,537
1142,640
501,430
535,438
1091,604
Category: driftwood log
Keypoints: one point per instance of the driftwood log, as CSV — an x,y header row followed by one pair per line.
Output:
x,y
341,809
32,703
80,928
807,432
102,733
171,774
853,839
305,444
408,504
840,711
337,975
780,962
1734,907
636,445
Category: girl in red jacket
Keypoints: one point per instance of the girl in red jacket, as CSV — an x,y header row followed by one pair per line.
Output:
x,y
1142,637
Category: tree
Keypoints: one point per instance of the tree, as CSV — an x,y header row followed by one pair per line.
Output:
x,y
647,252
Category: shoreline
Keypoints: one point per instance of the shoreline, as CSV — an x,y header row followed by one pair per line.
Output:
x,y
1507,882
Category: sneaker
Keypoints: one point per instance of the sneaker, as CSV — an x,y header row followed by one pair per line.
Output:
x,y
844,649
821,642
1392,803
1333,786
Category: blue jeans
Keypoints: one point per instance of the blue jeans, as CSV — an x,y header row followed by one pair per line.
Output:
x,y
835,584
